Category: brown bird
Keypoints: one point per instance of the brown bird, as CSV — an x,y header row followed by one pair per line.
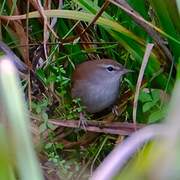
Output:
x,y
97,83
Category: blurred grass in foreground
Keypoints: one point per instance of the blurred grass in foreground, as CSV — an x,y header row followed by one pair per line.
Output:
x,y
160,159
17,156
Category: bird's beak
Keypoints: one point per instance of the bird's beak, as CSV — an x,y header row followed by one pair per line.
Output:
x,y
125,71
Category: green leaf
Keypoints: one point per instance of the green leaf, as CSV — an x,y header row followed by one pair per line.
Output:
x,y
38,109
41,75
144,97
42,127
153,95
48,145
45,116
157,115
60,146
51,126
169,19
51,79
147,106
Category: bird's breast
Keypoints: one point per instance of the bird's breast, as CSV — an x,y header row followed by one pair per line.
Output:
x,y
98,96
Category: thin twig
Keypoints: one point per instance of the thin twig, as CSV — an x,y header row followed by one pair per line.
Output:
x,y
99,13
140,77
41,10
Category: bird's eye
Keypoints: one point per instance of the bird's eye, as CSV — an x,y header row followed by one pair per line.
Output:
x,y
110,68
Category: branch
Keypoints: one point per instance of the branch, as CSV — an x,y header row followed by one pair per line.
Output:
x,y
100,126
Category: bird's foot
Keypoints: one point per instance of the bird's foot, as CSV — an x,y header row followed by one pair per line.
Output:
x,y
82,121
115,110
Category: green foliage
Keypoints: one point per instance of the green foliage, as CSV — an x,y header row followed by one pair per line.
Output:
x,y
168,17
118,37
152,106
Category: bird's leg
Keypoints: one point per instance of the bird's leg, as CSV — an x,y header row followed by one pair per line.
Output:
x,y
115,110
82,121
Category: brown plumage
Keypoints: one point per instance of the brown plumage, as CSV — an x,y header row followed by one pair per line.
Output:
x,y
97,83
